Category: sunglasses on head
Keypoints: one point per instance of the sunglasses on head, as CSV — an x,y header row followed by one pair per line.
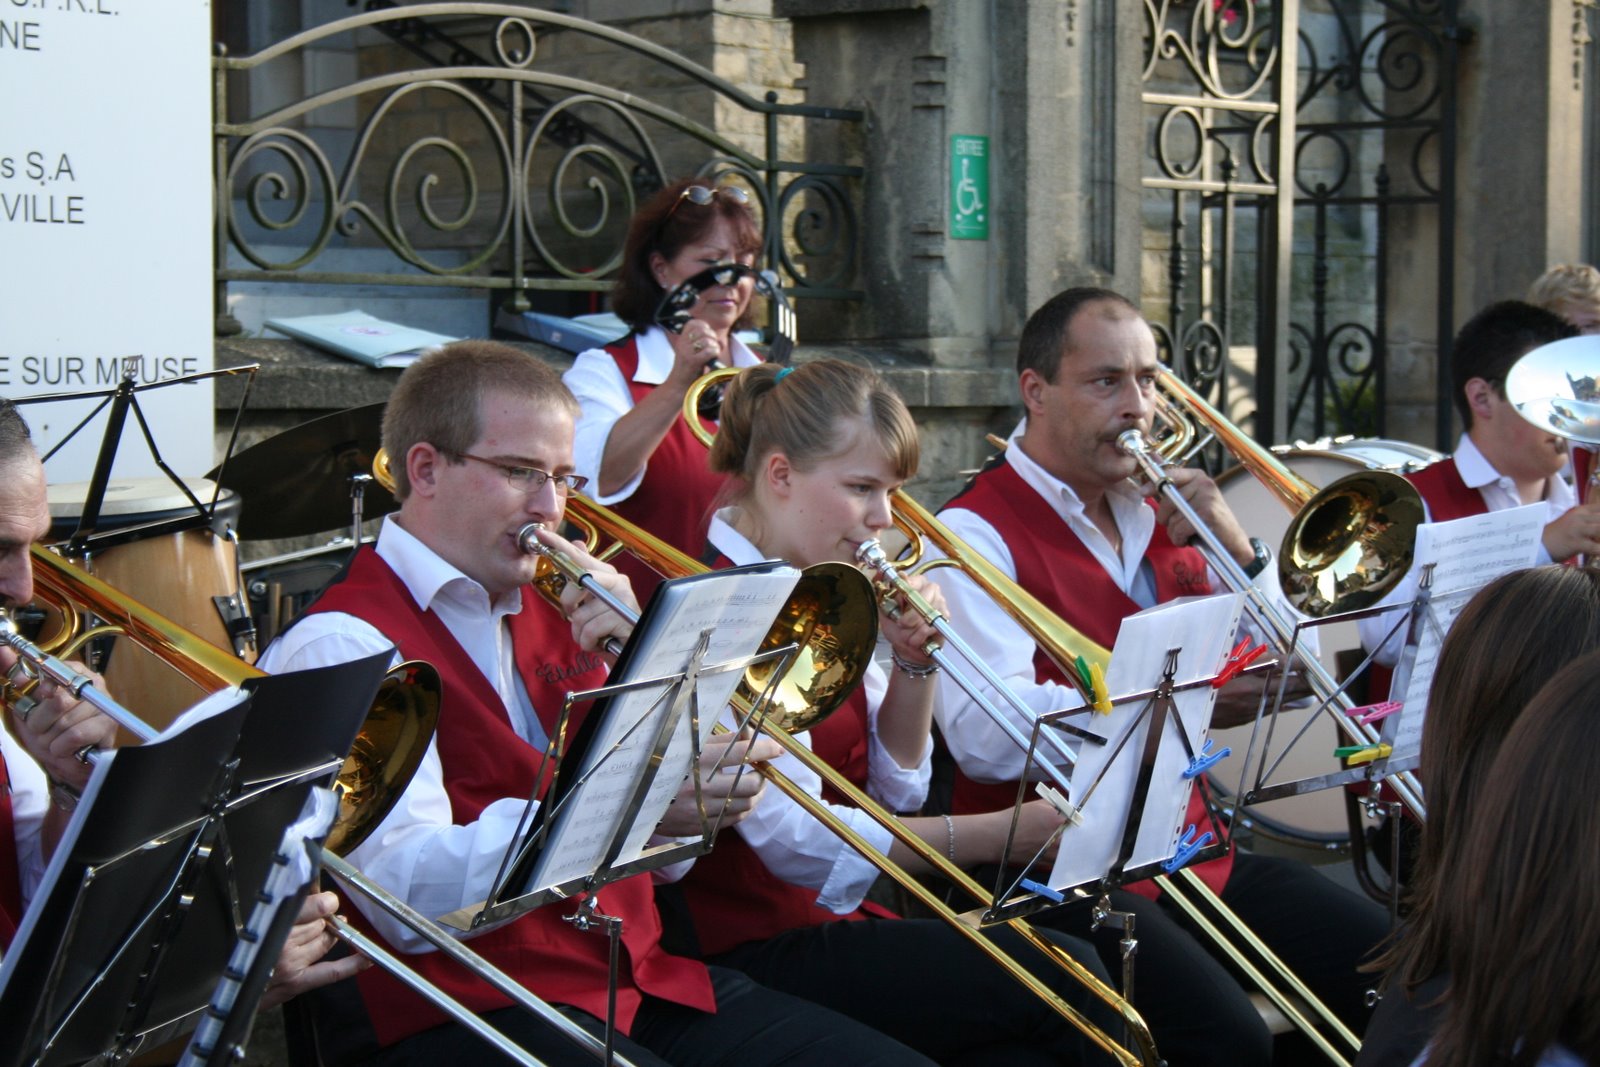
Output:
x,y
702,195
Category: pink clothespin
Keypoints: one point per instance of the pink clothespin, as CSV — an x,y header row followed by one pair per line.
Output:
x,y
1367,714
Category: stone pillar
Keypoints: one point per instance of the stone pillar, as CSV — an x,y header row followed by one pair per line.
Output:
x,y
1521,158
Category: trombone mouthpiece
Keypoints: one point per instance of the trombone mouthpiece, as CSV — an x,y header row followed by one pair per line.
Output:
x,y
528,541
1132,442
871,553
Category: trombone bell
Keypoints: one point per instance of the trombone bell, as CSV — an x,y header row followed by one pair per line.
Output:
x,y
1350,544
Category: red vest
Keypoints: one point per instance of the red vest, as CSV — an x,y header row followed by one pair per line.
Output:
x,y
733,898
1448,497
1582,467
484,760
1446,493
675,497
10,876
1055,565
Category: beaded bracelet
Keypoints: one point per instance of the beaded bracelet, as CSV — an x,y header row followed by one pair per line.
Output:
x,y
913,670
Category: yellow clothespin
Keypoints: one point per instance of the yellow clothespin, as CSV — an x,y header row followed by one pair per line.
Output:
x,y
1364,755
1102,696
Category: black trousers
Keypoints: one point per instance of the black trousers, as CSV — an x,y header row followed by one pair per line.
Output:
x,y
752,1025
1197,1009
924,984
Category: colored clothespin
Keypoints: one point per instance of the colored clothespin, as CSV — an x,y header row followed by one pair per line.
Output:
x,y
1240,658
1367,714
1043,890
1097,686
1353,755
1084,674
1187,847
1067,809
1206,760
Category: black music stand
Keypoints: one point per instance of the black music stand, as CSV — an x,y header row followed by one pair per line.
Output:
x,y
148,889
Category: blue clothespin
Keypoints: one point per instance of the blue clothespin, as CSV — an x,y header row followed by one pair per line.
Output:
x,y
1040,888
1205,760
1187,847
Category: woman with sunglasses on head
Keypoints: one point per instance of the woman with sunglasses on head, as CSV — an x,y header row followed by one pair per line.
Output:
x,y
813,454
1512,636
632,441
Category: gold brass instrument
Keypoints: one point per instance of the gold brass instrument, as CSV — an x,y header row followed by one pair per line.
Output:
x,y
605,535
1063,643
392,741
1349,544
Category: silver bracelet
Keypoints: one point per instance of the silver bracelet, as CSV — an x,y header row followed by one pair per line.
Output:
x,y
950,831
913,670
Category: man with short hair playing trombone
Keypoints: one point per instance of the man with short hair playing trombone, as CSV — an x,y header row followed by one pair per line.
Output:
x,y
1058,513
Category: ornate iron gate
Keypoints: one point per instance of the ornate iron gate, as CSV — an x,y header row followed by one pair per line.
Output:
x,y
1275,295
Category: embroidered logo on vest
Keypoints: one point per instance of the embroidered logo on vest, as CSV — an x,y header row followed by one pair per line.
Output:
x,y
560,672
1188,580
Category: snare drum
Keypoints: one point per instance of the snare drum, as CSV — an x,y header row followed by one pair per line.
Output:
x,y
179,569
1263,515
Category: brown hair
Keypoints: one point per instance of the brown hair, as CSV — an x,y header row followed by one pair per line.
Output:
x,y
666,224
438,399
1047,331
797,410
1517,906
1513,634
15,440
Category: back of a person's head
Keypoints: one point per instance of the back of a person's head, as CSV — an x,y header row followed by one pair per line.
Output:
x,y
1517,902
797,411
1566,288
1494,339
1511,636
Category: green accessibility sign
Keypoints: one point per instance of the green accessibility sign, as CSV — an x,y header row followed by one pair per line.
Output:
x,y
969,187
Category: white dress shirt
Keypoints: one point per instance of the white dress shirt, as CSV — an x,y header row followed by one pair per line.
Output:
x,y
982,749
793,845
417,852
1499,494
597,382
30,801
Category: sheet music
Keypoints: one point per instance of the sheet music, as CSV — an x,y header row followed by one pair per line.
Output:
x,y
738,608
1468,554
1203,629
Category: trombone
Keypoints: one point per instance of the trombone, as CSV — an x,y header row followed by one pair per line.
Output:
x,y
1063,644
391,743
598,521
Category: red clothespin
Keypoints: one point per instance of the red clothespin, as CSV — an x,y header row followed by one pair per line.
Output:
x,y
1240,658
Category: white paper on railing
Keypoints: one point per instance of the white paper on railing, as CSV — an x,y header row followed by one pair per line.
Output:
x,y
1467,555
1203,629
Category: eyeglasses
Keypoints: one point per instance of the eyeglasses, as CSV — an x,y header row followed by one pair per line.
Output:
x,y
702,195
531,479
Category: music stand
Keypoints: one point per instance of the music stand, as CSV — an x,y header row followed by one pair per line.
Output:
x,y
149,886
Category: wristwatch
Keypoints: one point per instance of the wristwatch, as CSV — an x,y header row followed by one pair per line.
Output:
x,y
1263,557
63,795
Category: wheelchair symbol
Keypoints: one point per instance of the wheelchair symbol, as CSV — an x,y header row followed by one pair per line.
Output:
x,y
968,201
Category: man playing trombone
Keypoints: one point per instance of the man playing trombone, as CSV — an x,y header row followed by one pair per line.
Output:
x,y
1059,513
41,773
481,438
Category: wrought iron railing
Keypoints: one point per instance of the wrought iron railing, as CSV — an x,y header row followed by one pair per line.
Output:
x,y
496,171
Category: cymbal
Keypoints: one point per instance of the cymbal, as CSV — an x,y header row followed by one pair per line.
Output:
x,y
297,482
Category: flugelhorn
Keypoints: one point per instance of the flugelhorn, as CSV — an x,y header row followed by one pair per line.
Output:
x,y
393,739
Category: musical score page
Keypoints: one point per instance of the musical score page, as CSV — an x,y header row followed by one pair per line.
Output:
x,y
738,608
1202,628
1467,554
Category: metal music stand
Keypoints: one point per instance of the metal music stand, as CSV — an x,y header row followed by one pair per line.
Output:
x,y
162,860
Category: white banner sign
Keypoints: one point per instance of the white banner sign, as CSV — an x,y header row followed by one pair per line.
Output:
x,y
105,222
